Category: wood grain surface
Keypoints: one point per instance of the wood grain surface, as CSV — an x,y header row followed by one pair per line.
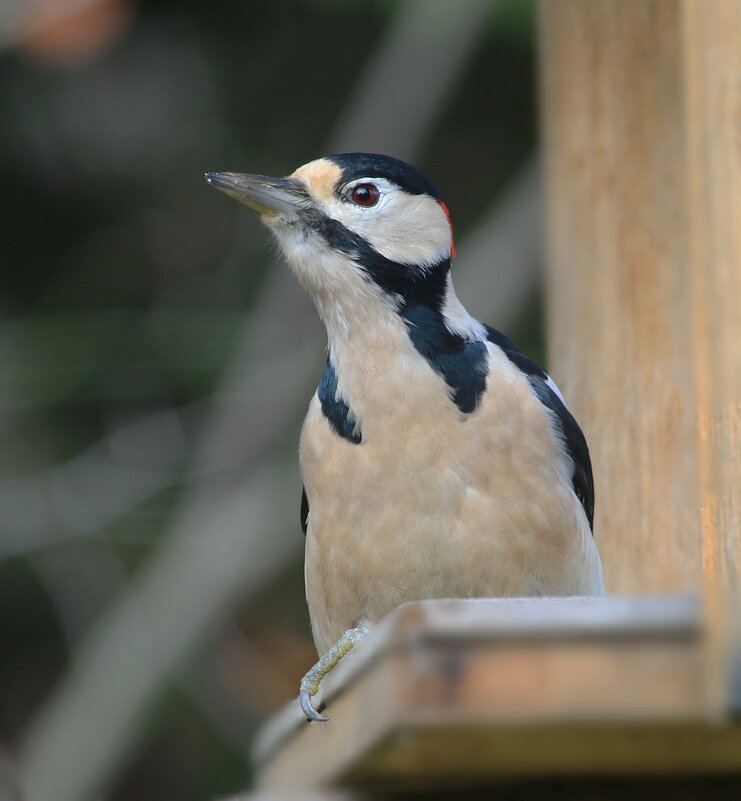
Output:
x,y
641,105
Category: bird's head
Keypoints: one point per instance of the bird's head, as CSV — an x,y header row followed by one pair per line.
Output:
x,y
352,221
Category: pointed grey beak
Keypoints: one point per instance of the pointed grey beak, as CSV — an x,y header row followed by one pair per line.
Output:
x,y
265,195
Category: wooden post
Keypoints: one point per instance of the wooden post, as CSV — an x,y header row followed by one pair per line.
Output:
x,y
642,118
713,120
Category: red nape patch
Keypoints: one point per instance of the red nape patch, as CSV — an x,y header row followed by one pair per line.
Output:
x,y
452,240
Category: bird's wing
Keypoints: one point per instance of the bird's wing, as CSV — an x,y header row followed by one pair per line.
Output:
x,y
304,510
547,393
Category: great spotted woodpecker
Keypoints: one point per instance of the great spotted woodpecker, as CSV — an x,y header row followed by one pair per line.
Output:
x,y
437,460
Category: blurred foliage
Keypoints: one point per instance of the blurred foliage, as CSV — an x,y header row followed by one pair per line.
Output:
x,y
124,281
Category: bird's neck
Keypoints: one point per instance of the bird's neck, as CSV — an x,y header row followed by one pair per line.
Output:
x,y
376,341
366,336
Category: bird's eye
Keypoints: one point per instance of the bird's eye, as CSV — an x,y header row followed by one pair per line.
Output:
x,y
365,195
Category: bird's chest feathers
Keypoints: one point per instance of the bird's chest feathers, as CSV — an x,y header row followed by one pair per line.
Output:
x,y
388,416
379,391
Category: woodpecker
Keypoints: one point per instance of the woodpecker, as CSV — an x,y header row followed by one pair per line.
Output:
x,y
437,460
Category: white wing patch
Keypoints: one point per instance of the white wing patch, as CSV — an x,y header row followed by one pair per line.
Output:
x,y
552,385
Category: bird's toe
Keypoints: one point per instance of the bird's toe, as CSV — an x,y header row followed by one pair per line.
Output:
x,y
307,707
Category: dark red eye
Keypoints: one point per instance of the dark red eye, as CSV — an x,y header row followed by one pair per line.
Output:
x,y
365,195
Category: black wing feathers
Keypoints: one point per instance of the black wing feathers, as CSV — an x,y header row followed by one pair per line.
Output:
x,y
576,445
304,510
574,441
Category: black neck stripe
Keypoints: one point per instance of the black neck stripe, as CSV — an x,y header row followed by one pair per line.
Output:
x,y
336,410
461,362
420,294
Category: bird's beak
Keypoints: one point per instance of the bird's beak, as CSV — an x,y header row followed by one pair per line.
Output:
x,y
271,196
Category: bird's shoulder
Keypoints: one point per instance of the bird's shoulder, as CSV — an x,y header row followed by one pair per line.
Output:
x,y
545,389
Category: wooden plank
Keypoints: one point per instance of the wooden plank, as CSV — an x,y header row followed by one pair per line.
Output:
x,y
619,276
456,689
642,138
712,69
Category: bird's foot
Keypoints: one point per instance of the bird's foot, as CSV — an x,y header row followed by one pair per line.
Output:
x,y
311,681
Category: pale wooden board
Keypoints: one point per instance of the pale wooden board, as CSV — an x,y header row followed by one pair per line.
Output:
x,y
619,301
712,70
457,689
641,114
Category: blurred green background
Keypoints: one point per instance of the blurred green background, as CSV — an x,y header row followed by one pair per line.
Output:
x,y
156,359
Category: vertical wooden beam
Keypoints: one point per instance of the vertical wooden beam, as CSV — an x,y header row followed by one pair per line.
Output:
x,y
620,332
712,73
642,138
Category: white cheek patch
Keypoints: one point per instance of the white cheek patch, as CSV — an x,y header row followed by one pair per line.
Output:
x,y
408,229
413,230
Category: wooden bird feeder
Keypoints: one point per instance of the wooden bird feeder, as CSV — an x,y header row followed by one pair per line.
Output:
x,y
641,111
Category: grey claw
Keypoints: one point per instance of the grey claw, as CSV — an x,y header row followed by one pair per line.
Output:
x,y
311,713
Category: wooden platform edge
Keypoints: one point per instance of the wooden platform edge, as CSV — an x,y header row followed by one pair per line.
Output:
x,y
495,618
670,626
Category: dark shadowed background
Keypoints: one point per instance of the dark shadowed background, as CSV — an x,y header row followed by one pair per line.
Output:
x,y
156,360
